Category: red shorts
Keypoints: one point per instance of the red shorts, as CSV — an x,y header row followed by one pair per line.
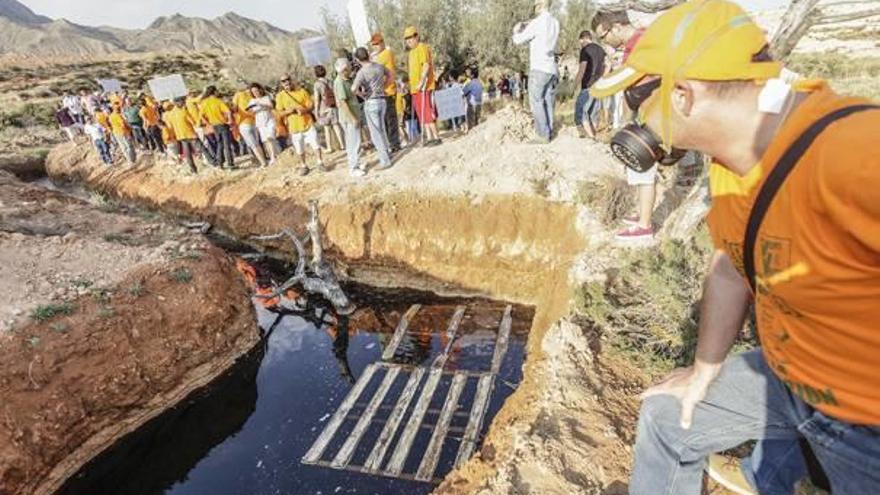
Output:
x,y
424,106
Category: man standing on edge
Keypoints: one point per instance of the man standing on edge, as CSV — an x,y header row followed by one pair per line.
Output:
x,y
590,69
295,105
370,84
218,115
541,33
796,225
349,116
385,57
422,84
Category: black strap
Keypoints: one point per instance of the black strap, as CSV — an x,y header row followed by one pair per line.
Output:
x,y
777,177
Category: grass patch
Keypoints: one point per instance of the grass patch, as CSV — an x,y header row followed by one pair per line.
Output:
x,y
82,283
848,75
45,312
540,186
181,275
648,307
106,312
60,327
118,238
611,197
104,202
101,295
137,290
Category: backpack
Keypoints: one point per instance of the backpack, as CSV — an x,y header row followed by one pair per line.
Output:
x,y
327,95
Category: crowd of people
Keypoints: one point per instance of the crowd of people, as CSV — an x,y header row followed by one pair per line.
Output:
x,y
362,105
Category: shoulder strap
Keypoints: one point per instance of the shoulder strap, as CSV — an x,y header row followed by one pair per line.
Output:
x,y
777,177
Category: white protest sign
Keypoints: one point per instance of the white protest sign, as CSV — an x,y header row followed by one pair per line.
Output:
x,y
357,16
168,87
450,103
110,85
315,51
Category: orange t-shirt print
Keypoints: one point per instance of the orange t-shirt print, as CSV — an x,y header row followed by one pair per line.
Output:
x,y
817,257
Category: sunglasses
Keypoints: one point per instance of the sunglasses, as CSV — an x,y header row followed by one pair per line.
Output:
x,y
636,95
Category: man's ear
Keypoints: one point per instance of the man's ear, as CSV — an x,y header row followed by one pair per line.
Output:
x,y
683,98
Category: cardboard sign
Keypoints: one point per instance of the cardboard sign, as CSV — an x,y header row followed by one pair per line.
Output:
x,y
450,103
357,16
168,87
316,51
110,85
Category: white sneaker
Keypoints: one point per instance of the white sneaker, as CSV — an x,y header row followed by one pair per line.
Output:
x,y
357,172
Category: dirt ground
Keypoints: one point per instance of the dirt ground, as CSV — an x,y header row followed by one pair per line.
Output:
x,y
56,248
116,319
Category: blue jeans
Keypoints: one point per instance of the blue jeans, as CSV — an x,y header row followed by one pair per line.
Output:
x,y
586,104
412,130
748,402
542,97
103,150
374,111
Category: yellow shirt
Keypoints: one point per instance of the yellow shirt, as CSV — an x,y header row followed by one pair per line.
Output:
x,y
103,119
181,123
240,102
150,101
385,58
118,125
167,133
419,56
214,111
286,101
192,106
149,115
280,125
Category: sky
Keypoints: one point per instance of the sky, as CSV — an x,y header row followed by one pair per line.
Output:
x,y
287,14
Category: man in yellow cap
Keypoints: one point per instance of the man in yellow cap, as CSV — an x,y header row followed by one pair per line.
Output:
x,y
385,57
795,221
421,84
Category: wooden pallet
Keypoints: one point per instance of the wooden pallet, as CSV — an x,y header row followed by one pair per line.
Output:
x,y
388,457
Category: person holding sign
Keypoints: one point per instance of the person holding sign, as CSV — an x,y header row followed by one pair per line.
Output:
x,y
246,121
422,84
385,57
295,105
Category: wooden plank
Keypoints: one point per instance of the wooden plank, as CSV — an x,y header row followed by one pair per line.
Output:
x,y
451,330
432,453
343,457
400,331
374,461
502,341
475,423
398,458
314,453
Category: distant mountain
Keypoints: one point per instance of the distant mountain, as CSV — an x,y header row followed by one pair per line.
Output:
x,y
26,33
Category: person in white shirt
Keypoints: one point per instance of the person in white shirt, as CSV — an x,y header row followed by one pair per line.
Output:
x,y
97,134
541,33
262,106
74,106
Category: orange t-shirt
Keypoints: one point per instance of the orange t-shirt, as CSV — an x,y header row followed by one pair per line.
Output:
x,y
817,257
149,115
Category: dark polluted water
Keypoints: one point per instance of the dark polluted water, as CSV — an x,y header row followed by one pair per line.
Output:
x,y
247,432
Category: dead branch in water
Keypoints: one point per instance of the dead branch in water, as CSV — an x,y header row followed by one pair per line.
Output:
x,y
324,281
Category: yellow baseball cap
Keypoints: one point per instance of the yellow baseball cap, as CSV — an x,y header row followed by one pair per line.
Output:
x,y
409,32
710,40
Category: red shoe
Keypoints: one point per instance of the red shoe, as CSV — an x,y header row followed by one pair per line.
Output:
x,y
635,233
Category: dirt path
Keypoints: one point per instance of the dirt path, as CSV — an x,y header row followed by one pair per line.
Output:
x,y
163,313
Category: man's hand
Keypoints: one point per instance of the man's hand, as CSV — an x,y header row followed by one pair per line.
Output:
x,y
689,385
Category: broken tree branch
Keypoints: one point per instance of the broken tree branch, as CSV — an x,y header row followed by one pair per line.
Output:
x,y
324,281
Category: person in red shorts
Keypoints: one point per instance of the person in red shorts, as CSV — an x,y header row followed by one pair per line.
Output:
x,y
421,84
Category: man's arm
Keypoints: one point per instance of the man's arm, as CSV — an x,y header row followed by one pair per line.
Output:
x,y
722,313
523,32
578,79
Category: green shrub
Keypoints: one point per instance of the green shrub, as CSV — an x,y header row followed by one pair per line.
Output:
x,y
45,312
